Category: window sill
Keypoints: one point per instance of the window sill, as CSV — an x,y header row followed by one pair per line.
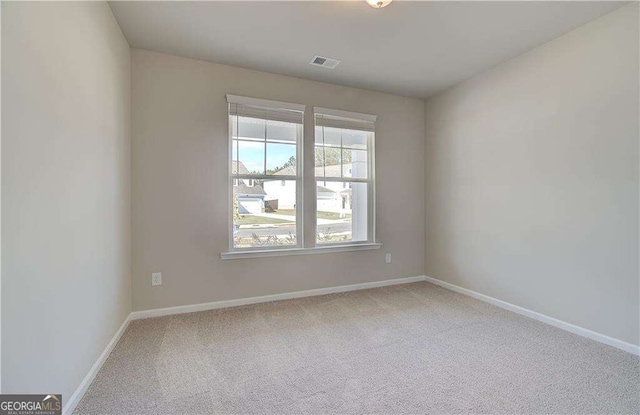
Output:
x,y
299,251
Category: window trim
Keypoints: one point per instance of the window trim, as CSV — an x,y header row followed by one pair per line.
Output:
x,y
324,249
301,142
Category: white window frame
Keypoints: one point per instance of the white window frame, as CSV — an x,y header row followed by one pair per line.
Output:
x,y
370,180
302,211
277,105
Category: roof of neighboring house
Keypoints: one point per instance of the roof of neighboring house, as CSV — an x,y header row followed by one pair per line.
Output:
x,y
333,171
287,171
243,189
322,189
238,167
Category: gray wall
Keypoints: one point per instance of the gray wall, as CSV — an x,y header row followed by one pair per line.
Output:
x,y
66,285
532,179
180,188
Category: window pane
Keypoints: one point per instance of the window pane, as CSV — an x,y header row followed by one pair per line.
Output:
x,y
319,160
251,157
354,163
234,125
281,159
328,160
250,128
341,152
284,132
341,212
328,136
264,214
354,139
234,157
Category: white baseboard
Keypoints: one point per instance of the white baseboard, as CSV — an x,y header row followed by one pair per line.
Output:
x,y
158,312
599,337
71,404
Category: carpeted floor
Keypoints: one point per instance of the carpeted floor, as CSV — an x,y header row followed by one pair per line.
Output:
x,y
413,348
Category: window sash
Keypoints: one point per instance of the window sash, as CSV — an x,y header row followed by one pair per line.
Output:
x,y
371,212
298,223
267,145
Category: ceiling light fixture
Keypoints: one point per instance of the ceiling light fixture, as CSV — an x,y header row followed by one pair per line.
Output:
x,y
378,4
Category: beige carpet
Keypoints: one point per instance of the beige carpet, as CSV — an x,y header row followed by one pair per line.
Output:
x,y
414,348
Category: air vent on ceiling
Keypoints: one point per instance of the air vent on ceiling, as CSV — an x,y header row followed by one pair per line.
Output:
x,y
324,62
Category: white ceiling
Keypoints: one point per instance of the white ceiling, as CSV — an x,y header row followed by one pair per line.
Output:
x,y
408,48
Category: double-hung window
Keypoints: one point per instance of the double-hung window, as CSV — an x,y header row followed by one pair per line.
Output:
x,y
344,176
265,174
267,193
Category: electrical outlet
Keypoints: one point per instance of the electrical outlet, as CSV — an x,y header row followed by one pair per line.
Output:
x,y
387,258
156,278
